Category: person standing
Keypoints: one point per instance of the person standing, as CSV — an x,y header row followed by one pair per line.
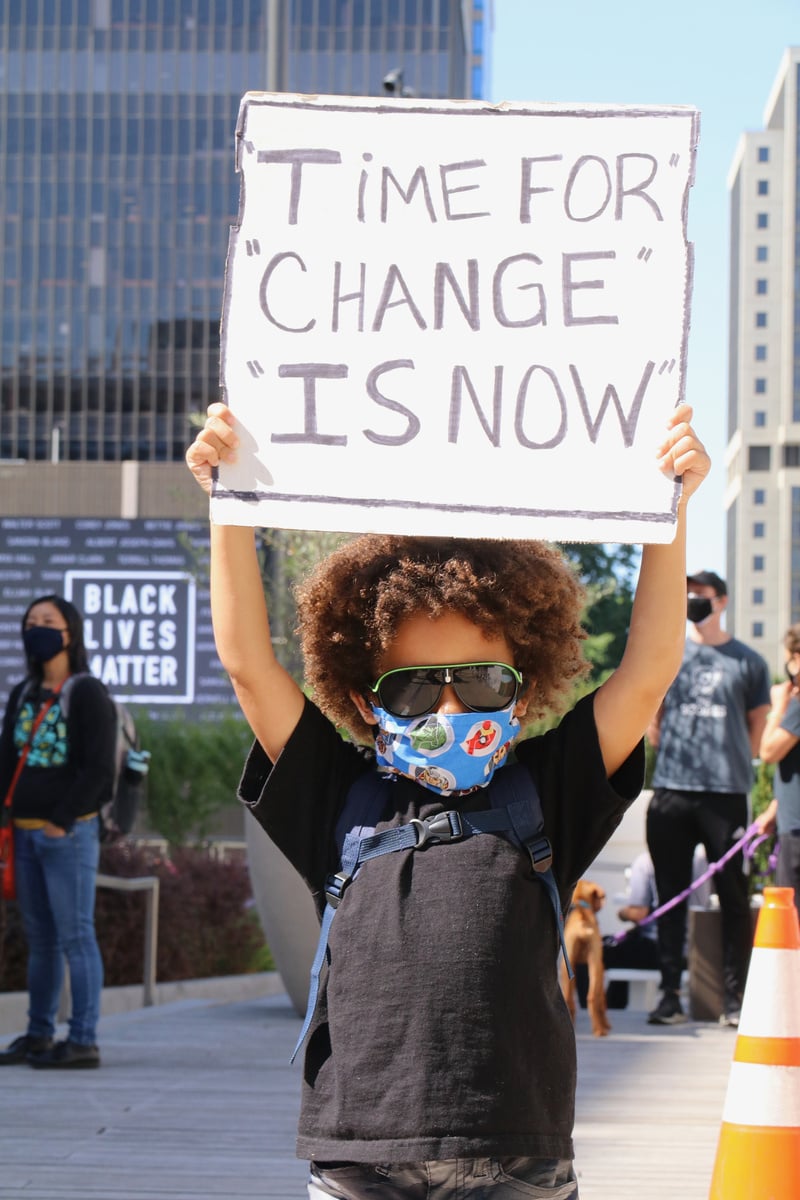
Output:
x,y
57,751
780,744
707,732
440,1055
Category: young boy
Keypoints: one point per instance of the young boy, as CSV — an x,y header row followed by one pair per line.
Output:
x,y
441,1057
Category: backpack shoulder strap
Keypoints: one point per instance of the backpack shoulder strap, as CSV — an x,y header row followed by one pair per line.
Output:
x,y
25,690
67,688
513,789
362,808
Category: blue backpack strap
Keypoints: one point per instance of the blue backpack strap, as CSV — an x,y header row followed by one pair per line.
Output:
x,y
361,811
513,789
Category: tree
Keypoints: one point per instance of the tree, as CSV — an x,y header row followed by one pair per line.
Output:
x,y
608,573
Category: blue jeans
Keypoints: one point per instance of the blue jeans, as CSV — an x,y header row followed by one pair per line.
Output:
x,y
452,1179
55,893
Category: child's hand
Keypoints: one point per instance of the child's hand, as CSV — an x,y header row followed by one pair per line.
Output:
x,y
215,443
683,452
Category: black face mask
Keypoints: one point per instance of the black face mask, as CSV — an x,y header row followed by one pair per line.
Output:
x,y
698,608
792,678
42,643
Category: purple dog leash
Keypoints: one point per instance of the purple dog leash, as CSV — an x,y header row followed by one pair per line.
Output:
x,y
747,844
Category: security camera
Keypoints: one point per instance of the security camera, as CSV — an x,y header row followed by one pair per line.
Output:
x,y
393,82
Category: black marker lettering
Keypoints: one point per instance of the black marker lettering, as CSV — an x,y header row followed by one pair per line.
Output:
x,y
526,191
639,188
460,380
362,185
418,179
522,399
298,158
310,373
393,276
539,316
574,174
443,273
340,298
447,191
569,286
413,427
263,299
627,423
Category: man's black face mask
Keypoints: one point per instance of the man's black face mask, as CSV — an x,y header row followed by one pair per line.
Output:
x,y
698,608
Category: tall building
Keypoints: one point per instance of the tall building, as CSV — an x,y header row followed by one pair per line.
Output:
x,y
117,123
763,456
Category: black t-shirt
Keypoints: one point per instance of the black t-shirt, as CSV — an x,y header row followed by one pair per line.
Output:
x,y
441,1031
69,772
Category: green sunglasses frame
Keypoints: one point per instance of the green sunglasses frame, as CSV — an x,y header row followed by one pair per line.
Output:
x,y
449,667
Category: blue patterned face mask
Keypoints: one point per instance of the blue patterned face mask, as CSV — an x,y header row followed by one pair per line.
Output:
x,y
445,752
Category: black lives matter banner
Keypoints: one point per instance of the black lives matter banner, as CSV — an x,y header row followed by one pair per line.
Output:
x,y
139,630
142,587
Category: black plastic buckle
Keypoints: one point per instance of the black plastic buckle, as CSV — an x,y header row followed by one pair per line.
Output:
x,y
441,827
541,853
336,886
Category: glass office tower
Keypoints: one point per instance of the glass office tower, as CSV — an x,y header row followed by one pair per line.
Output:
x,y
117,123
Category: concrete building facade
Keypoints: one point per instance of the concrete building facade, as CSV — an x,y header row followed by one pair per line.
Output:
x,y
763,453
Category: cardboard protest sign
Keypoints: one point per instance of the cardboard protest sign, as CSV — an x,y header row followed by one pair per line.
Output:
x,y
452,318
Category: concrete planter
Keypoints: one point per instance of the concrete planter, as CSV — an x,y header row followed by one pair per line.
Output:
x,y
287,912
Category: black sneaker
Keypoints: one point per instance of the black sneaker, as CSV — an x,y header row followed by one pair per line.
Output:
x,y
67,1055
669,1011
21,1047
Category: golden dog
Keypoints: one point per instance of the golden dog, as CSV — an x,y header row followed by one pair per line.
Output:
x,y
585,945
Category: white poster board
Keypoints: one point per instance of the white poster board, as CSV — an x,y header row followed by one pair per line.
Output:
x,y
453,318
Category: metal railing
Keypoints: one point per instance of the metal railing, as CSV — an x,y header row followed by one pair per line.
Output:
x,y
150,885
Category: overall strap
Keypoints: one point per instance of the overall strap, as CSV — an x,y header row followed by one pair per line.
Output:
x,y
516,810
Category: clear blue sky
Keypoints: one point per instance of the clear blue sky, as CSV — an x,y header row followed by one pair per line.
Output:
x,y
720,56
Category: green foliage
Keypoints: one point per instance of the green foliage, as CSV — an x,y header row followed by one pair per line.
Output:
x,y
650,755
760,798
608,574
286,556
194,772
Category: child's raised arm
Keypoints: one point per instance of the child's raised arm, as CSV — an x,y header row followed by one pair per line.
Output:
x,y
270,699
628,701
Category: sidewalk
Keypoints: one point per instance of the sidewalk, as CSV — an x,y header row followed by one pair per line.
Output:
x,y
196,1100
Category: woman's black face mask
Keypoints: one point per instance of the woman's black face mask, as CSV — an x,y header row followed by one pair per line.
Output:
x,y
790,676
698,608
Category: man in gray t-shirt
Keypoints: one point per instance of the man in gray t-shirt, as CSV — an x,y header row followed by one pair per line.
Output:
x,y
707,733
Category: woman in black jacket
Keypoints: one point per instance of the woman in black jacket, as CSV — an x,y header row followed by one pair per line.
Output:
x,y
57,752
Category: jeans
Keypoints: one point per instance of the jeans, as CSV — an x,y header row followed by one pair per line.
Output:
x,y
55,893
676,822
453,1179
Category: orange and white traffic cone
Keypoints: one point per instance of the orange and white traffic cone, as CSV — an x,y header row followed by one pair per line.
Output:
x,y
758,1156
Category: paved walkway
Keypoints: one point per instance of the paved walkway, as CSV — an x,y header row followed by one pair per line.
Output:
x,y
195,1100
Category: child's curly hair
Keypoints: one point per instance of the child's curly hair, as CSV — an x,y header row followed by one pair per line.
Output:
x,y
352,604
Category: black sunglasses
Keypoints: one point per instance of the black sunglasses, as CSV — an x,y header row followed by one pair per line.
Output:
x,y
481,687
